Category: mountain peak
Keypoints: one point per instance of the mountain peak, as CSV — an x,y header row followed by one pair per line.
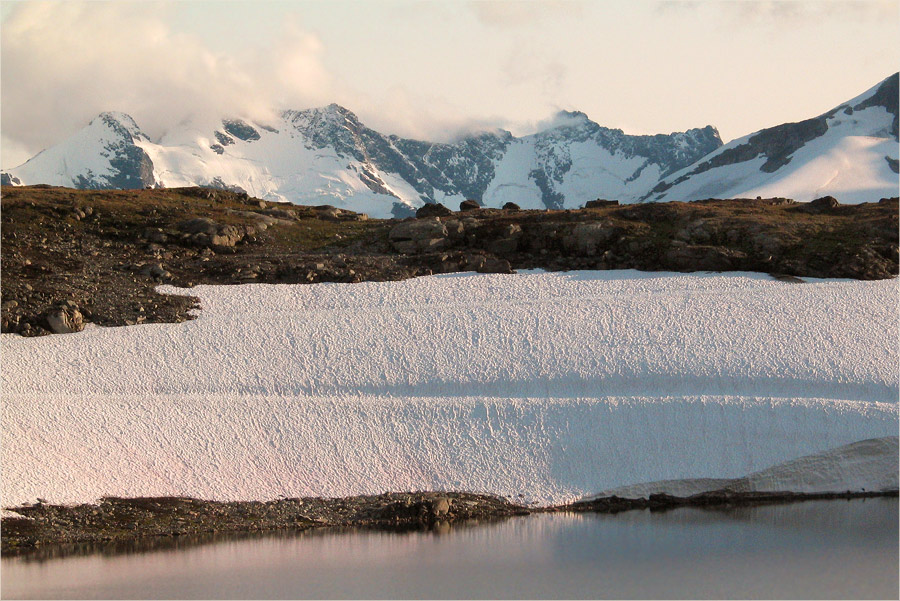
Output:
x,y
121,123
339,112
575,115
565,118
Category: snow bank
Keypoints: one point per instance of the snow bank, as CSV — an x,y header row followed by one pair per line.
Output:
x,y
867,465
552,386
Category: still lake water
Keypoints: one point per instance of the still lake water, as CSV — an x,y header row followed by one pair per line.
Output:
x,y
820,549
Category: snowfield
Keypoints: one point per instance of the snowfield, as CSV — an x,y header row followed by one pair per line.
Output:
x,y
544,387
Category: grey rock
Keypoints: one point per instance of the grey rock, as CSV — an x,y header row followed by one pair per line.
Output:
x,y
441,506
587,238
419,235
65,320
199,225
495,265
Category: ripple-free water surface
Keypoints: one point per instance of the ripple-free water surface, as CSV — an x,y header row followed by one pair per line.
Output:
x,y
822,549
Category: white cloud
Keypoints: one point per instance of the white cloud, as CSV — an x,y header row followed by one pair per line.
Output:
x,y
783,13
65,62
519,13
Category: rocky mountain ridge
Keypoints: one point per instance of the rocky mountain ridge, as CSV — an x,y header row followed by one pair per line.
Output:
x,y
328,156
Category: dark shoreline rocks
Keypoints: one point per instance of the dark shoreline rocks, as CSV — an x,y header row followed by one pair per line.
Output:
x,y
119,522
124,519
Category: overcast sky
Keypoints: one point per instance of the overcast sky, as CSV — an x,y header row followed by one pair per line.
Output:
x,y
436,69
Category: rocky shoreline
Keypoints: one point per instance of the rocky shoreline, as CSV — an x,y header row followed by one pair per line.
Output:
x,y
119,523
72,257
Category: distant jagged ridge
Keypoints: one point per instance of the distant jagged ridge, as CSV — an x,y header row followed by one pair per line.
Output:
x,y
327,156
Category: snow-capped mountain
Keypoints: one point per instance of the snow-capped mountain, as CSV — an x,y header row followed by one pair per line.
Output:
x,y
850,153
108,153
327,156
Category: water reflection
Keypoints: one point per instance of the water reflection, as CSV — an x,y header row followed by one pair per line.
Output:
x,y
813,549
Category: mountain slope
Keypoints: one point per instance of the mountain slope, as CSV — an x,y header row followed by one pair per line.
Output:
x,y
106,154
850,152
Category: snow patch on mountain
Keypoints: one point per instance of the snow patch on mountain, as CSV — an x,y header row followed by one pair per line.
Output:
x,y
553,386
850,153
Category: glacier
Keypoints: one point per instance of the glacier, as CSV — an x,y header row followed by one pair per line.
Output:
x,y
542,387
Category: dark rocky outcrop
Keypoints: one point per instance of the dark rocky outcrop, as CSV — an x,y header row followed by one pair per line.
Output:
x,y
600,203
240,130
106,251
433,210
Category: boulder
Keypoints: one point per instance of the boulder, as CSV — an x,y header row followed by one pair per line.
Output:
x,y
495,265
65,320
206,232
227,236
819,205
440,507
433,210
469,205
511,206
330,213
600,203
419,235
826,202
199,225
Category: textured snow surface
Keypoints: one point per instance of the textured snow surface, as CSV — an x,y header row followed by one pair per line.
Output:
x,y
553,386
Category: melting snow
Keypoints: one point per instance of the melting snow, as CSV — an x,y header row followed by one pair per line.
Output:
x,y
552,386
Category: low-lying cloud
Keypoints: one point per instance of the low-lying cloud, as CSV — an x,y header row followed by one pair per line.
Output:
x,y
65,62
